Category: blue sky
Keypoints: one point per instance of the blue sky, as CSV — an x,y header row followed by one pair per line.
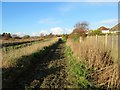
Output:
x,y
44,17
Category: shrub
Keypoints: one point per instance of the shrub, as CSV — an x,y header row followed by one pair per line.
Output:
x,y
26,37
95,32
6,36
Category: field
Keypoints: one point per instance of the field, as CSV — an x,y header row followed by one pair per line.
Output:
x,y
90,63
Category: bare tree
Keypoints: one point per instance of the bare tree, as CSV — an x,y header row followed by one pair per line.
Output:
x,y
81,28
81,25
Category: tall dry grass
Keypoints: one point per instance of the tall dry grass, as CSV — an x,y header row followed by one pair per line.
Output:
x,y
10,59
98,57
18,40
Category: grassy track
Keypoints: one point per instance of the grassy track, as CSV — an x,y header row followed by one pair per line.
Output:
x,y
56,67
47,72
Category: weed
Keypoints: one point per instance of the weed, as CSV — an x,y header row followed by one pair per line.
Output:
x,y
77,72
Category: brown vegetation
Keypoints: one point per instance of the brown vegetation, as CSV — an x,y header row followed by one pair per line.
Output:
x,y
10,59
99,59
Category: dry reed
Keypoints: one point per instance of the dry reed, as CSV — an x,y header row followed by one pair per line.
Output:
x,y
99,57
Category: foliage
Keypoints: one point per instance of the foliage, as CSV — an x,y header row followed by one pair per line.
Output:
x,y
81,25
6,36
95,32
65,37
75,37
77,72
99,58
26,37
79,31
49,36
80,28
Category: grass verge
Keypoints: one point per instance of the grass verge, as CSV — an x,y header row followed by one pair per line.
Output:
x,y
77,72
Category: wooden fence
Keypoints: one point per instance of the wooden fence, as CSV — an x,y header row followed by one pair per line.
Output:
x,y
108,41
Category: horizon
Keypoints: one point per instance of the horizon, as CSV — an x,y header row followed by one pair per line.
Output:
x,y
33,18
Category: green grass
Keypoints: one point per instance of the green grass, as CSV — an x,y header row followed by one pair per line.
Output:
x,y
78,72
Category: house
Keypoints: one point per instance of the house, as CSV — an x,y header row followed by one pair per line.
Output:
x,y
115,29
104,29
15,36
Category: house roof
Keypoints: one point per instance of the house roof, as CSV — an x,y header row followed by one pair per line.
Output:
x,y
116,27
103,28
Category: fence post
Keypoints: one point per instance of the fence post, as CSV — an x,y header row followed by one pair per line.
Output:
x,y
112,41
106,37
80,39
96,38
116,41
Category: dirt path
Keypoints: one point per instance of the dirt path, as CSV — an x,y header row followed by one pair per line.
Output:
x,y
48,73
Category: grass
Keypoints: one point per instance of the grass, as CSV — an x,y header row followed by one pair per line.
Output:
x,y
98,58
14,67
77,72
18,40
10,59
11,48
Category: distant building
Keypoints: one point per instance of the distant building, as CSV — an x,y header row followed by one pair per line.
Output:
x,y
15,36
115,29
104,29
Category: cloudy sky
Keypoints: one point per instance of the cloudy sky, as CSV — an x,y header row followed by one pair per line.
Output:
x,y
57,17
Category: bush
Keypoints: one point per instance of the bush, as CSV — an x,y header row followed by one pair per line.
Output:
x,y
6,36
26,37
75,37
95,32
65,37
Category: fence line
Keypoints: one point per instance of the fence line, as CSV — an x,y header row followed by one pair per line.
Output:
x,y
108,41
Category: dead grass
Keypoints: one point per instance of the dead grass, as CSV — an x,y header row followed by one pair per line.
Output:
x,y
10,59
100,58
18,40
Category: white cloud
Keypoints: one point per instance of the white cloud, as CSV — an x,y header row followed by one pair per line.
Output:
x,y
57,30
48,21
38,33
107,23
110,21
68,30
54,30
44,32
35,34
21,33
